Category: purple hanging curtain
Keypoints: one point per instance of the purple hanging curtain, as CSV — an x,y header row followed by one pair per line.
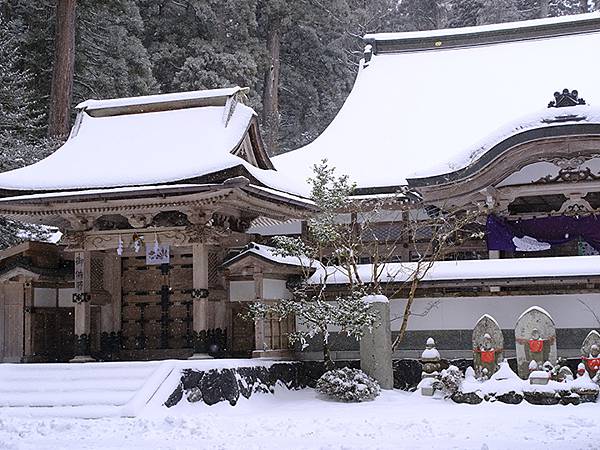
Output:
x,y
540,234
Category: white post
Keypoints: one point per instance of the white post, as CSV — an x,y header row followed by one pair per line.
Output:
x,y
200,306
82,299
494,254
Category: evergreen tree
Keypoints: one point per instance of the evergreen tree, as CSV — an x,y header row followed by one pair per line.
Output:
x,y
20,126
111,58
19,112
465,13
31,28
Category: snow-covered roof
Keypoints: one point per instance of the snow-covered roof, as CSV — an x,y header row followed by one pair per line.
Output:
x,y
150,140
190,96
270,254
419,108
568,266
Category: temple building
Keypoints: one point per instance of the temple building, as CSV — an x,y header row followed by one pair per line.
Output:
x,y
150,193
162,198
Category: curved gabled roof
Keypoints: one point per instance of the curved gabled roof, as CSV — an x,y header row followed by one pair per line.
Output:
x,y
420,108
152,140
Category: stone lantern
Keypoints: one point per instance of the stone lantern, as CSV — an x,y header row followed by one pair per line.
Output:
x,y
431,361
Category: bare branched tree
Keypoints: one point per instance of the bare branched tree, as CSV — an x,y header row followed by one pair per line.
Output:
x,y
361,244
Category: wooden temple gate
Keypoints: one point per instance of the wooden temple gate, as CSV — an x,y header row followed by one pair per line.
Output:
x,y
185,207
157,304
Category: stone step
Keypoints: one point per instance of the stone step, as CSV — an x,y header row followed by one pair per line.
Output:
x,y
115,384
80,412
80,390
66,398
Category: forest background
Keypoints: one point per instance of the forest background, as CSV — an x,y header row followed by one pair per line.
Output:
x,y
299,57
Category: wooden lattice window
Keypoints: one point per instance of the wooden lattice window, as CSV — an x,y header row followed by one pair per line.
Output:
x,y
97,274
214,276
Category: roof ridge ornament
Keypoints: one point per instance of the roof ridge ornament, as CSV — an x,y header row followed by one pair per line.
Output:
x,y
566,98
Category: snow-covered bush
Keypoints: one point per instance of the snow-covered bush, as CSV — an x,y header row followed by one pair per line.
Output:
x,y
348,385
451,380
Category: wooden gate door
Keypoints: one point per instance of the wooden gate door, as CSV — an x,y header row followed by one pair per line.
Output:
x,y
157,303
53,334
242,331
13,327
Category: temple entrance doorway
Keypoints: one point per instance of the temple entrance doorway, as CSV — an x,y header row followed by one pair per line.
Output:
x,y
53,334
156,311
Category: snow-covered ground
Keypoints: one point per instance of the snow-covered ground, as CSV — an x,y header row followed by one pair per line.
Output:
x,y
301,420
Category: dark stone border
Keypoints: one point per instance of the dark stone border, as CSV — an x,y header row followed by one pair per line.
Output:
x,y
218,385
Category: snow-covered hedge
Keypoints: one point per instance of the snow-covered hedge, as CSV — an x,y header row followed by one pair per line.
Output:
x,y
348,385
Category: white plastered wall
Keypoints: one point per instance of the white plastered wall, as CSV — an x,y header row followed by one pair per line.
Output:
x,y
568,311
245,290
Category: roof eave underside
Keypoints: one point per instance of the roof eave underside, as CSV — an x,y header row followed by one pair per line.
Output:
x,y
47,202
510,32
559,131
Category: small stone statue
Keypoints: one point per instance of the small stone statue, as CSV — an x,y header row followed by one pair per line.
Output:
x,y
561,372
533,366
580,369
592,361
584,386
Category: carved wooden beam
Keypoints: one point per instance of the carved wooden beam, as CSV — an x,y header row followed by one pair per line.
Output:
x,y
172,236
80,222
140,220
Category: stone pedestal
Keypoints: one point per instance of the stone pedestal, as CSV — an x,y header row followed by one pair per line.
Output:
x,y
376,345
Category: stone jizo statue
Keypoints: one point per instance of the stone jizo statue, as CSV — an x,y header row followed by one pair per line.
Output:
x,y
590,353
535,337
488,343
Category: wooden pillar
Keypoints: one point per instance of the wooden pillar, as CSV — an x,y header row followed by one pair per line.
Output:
x,y
82,300
28,321
112,279
260,344
200,298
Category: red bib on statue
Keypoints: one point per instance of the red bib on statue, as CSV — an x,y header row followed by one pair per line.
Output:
x,y
488,356
536,345
593,364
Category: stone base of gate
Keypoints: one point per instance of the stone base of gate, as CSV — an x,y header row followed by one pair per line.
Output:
x,y
200,356
282,354
155,354
82,359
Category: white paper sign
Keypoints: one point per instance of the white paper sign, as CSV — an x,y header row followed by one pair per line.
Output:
x,y
158,254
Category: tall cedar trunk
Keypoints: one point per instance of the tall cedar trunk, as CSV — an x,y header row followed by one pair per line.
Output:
x,y
544,8
271,91
441,14
61,91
